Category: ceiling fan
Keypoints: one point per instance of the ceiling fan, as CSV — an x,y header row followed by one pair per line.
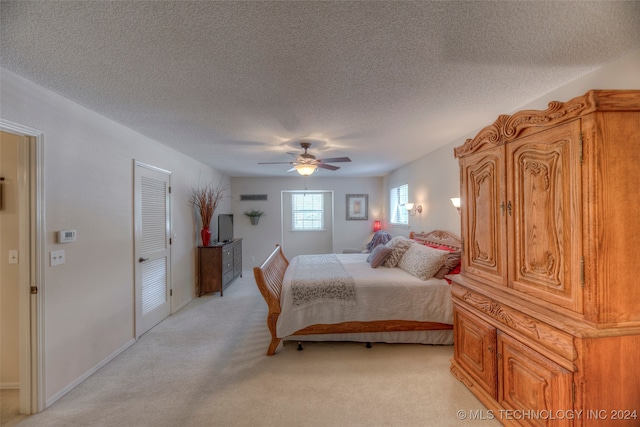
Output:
x,y
306,164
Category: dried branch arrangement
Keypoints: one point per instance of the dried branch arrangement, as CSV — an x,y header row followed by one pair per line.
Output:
x,y
206,200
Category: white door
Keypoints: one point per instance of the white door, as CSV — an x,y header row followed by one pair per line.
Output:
x,y
152,246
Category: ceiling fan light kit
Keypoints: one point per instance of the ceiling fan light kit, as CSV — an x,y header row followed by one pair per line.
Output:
x,y
305,170
306,164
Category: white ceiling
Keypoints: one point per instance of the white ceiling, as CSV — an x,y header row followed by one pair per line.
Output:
x,y
236,83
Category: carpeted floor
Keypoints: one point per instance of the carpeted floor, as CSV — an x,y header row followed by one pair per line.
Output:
x,y
9,407
206,366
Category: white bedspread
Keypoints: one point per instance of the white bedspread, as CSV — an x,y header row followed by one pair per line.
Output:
x,y
381,294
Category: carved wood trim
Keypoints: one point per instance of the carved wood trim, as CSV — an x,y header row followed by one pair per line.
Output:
x,y
438,237
507,128
540,261
460,376
542,333
482,177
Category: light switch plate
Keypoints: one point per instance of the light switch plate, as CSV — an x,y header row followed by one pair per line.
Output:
x,y
13,256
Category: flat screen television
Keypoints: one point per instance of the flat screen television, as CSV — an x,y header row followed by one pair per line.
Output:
x,y
225,228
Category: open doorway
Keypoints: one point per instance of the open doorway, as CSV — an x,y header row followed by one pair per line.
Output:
x,y
21,227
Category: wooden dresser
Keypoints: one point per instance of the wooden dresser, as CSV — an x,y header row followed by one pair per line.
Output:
x,y
547,307
218,266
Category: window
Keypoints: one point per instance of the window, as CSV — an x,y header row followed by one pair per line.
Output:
x,y
397,198
308,211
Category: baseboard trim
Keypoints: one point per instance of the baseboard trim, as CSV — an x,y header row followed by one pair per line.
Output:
x,y
9,386
181,306
87,374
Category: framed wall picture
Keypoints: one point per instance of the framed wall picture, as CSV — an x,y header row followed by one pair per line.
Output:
x,y
357,206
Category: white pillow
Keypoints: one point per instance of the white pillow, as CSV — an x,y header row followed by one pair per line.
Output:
x,y
422,261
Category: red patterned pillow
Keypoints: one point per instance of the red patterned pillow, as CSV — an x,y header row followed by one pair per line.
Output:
x,y
441,247
451,264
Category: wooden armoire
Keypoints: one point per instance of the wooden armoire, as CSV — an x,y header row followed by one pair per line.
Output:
x,y
547,306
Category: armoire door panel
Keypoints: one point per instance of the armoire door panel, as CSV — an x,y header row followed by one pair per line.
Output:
x,y
475,349
483,218
529,383
544,218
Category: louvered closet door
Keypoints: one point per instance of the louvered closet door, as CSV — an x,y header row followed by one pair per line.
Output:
x,y
152,248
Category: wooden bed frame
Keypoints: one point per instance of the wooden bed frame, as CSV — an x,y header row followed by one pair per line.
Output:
x,y
270,274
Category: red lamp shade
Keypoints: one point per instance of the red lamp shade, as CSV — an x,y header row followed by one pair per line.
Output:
x,y
376,225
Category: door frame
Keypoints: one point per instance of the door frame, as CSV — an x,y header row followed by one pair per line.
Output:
x,y
31,306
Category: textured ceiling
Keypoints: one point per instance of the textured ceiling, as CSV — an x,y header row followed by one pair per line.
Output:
x,y
235,83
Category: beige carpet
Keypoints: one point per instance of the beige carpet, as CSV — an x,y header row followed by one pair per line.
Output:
x,y
206,366
9,407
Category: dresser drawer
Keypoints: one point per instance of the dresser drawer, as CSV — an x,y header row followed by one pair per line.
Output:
x,y
227,276
227,254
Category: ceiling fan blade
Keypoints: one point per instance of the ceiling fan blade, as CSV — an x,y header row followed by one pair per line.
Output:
x,y
275,163
326,166
336,160
291,170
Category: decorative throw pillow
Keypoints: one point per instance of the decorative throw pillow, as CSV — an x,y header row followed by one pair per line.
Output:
x,y
451,262
391,243
401,246
422,261
378,255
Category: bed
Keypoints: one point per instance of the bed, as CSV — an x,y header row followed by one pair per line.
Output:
x,y
359,303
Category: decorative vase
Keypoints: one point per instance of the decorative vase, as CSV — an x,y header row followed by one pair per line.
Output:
x,y
254,220
206,236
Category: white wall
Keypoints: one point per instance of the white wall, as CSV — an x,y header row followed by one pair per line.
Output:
x,y
88,179
433,179
259,240
622,73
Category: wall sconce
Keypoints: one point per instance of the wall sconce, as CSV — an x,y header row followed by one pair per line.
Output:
x,y
455,201
412,210
376,225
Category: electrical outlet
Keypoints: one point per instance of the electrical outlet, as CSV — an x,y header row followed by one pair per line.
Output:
x,y
56,257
